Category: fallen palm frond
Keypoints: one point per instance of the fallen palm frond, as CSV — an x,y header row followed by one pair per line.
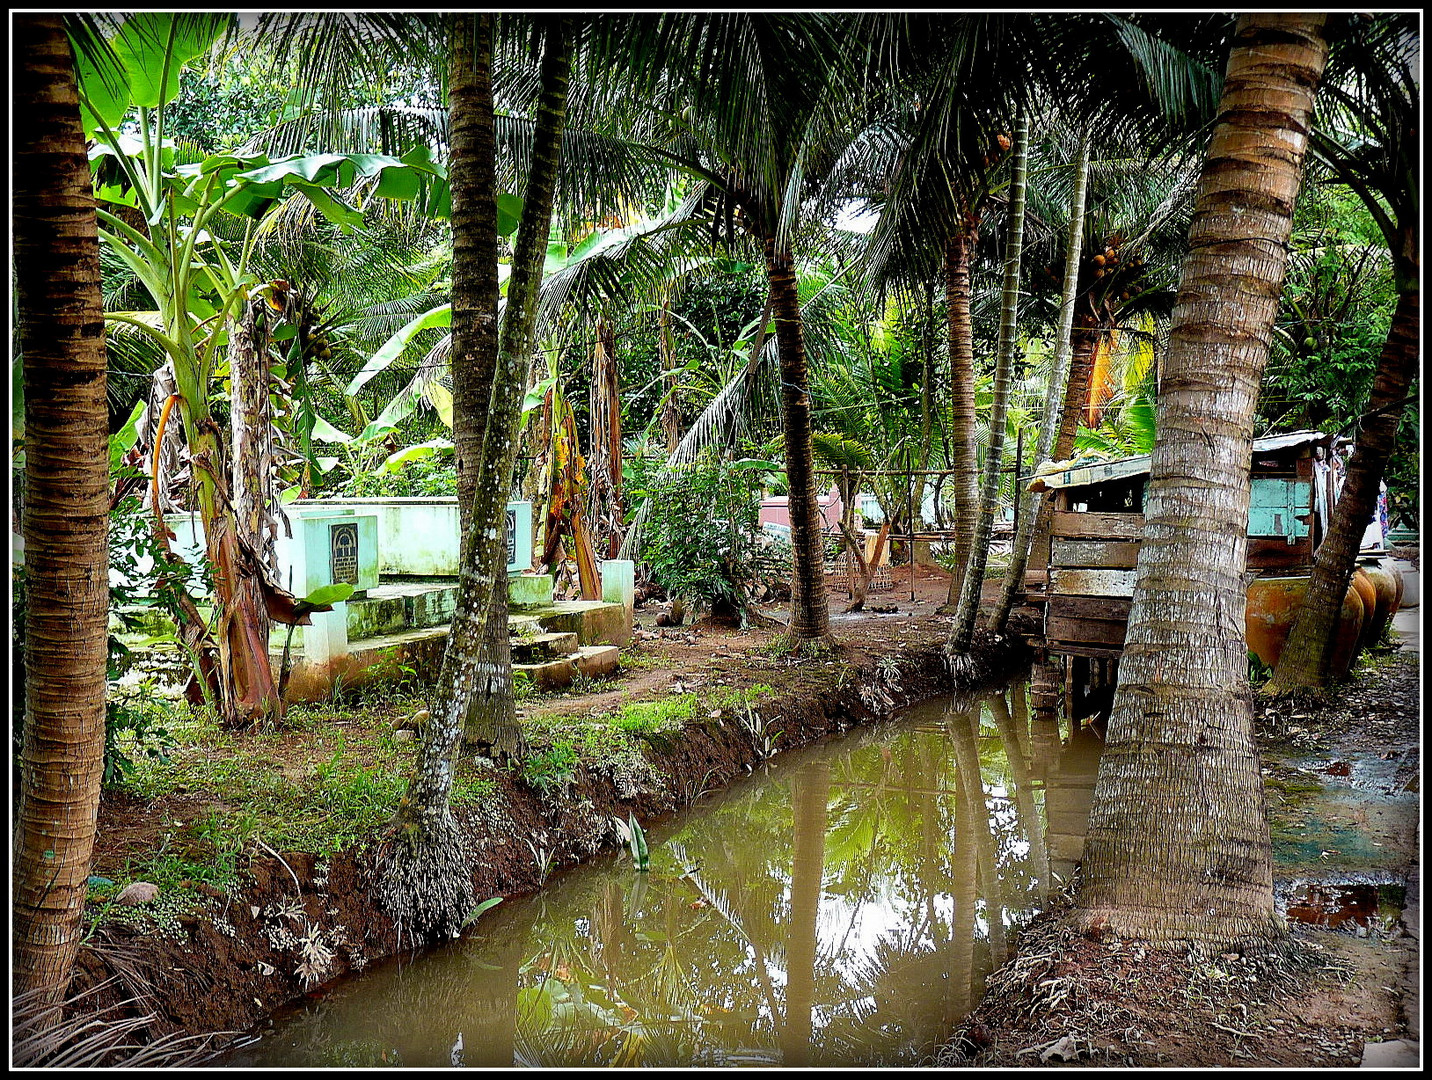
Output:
x,y
44,1037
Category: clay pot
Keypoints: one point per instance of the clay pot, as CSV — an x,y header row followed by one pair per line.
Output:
x,y
1368,591
1349,633
1386,600
1273,604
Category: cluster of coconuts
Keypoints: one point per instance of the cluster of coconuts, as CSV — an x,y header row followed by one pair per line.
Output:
x,y
1106,275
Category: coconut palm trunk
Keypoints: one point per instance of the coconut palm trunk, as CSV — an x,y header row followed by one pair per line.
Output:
x,y
671,386
1307,656
1029,502
66,509
963,462
471,175
424,880
963,630
810,613
1178,845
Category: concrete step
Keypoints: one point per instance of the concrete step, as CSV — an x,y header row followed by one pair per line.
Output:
x,y
537,648
589,660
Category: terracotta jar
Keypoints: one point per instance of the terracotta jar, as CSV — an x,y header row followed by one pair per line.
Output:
x,y
1368,591
1273,604
1386,600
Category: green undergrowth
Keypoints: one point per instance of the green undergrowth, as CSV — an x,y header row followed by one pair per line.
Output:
x,y
329,781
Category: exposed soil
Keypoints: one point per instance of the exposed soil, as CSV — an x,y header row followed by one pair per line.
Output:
x,y
295,921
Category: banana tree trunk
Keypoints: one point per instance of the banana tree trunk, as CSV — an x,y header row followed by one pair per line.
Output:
x,y
968,611
1307,656
963,462
472,179
1049,423
1178,846
604,463
65,519
424,880
810,613
256,505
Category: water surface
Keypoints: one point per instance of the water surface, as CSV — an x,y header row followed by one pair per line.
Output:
x,y
842,906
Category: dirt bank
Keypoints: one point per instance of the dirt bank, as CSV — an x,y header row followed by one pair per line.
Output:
x,y
210,958
1343,775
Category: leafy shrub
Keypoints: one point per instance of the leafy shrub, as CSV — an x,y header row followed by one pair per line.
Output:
x,y
551,768
703,541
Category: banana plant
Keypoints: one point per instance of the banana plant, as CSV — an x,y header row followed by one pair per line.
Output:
x,y
161,218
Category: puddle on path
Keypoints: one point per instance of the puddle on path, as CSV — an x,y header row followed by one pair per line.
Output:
x,y
842,908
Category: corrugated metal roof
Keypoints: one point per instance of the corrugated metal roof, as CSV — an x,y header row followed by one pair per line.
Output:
x,y
1100,472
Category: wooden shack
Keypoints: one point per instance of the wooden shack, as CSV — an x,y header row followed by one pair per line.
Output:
x,y
1084,577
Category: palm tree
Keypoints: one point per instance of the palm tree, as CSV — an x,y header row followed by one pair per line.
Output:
x,y
1058,377
752,104
1369,140
66,509
1178,844
424,878
963,630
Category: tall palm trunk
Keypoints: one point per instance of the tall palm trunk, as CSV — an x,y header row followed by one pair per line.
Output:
x,y
1076,392
963,462
66,509
1049,423
424,880
670,403
1178,844
810,614
471,175
968,610
1307,656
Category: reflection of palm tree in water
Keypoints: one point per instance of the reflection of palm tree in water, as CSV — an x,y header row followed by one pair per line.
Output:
x,y
1009,733
810,796
962,722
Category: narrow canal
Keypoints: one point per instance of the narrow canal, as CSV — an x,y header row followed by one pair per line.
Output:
x,y
843,906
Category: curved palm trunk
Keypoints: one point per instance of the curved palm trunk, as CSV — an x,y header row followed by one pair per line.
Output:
x,y
810,614
965,493
424,880
1178,846
66,511
968,610
471,175
670,402
1049,424
1308,653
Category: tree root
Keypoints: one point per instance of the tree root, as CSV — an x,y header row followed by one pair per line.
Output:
x,y
423,880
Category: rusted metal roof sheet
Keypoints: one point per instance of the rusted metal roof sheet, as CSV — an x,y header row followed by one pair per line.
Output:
x,y
1095,471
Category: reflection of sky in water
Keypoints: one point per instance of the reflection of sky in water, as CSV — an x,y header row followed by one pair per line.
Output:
x,y
834,910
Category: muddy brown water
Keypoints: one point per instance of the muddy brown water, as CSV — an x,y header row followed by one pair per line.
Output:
x,y
842,906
